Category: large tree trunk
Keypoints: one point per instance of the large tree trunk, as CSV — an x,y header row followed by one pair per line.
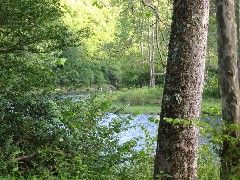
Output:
x,y
237,4
228,79
177,145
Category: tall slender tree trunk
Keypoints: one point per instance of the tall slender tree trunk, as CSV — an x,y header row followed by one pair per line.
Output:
x,y
152,67
228,79
151,55
177,145
151,42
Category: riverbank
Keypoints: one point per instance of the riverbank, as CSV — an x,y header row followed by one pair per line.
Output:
x,y
210,106
148,101
135,109
143,100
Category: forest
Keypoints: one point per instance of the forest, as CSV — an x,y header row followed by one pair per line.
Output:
x,y
120,89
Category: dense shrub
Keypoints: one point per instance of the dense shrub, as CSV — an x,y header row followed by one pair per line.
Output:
x,y
65,138
80,70
216,134
208,163
62,138
211,88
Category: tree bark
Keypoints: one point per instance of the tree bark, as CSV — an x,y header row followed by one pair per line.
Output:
x,y
177,145
227,60
228,79
237,4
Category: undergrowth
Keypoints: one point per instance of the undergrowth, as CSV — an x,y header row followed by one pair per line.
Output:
x,y
64,138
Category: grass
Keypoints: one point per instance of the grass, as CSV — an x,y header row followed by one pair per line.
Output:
x,y
209,106
212,106
135,109
138,100
147,101
139,96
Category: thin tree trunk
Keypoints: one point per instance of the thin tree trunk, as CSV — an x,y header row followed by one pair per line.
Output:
x,y
142,53
142,50
177,145
150,52
151,42
152,68
228,79
141,20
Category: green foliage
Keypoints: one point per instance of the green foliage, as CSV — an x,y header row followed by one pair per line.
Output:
x,y
211,106
49,138
135,75
136,109
44,136
211,89
79,71
140,96
141,165
26,73
225,145
177,121
32,26
208,163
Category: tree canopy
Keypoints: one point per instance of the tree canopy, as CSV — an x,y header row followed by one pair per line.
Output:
x,y
33,26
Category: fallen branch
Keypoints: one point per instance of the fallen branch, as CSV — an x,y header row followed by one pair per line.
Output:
x,y
25,157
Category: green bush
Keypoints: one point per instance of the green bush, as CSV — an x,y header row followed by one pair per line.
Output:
x,y
211,153
208,163
135,75
80,70
48,138
211,89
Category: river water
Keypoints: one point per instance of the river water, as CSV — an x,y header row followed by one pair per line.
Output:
x,y
139,125
143,123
